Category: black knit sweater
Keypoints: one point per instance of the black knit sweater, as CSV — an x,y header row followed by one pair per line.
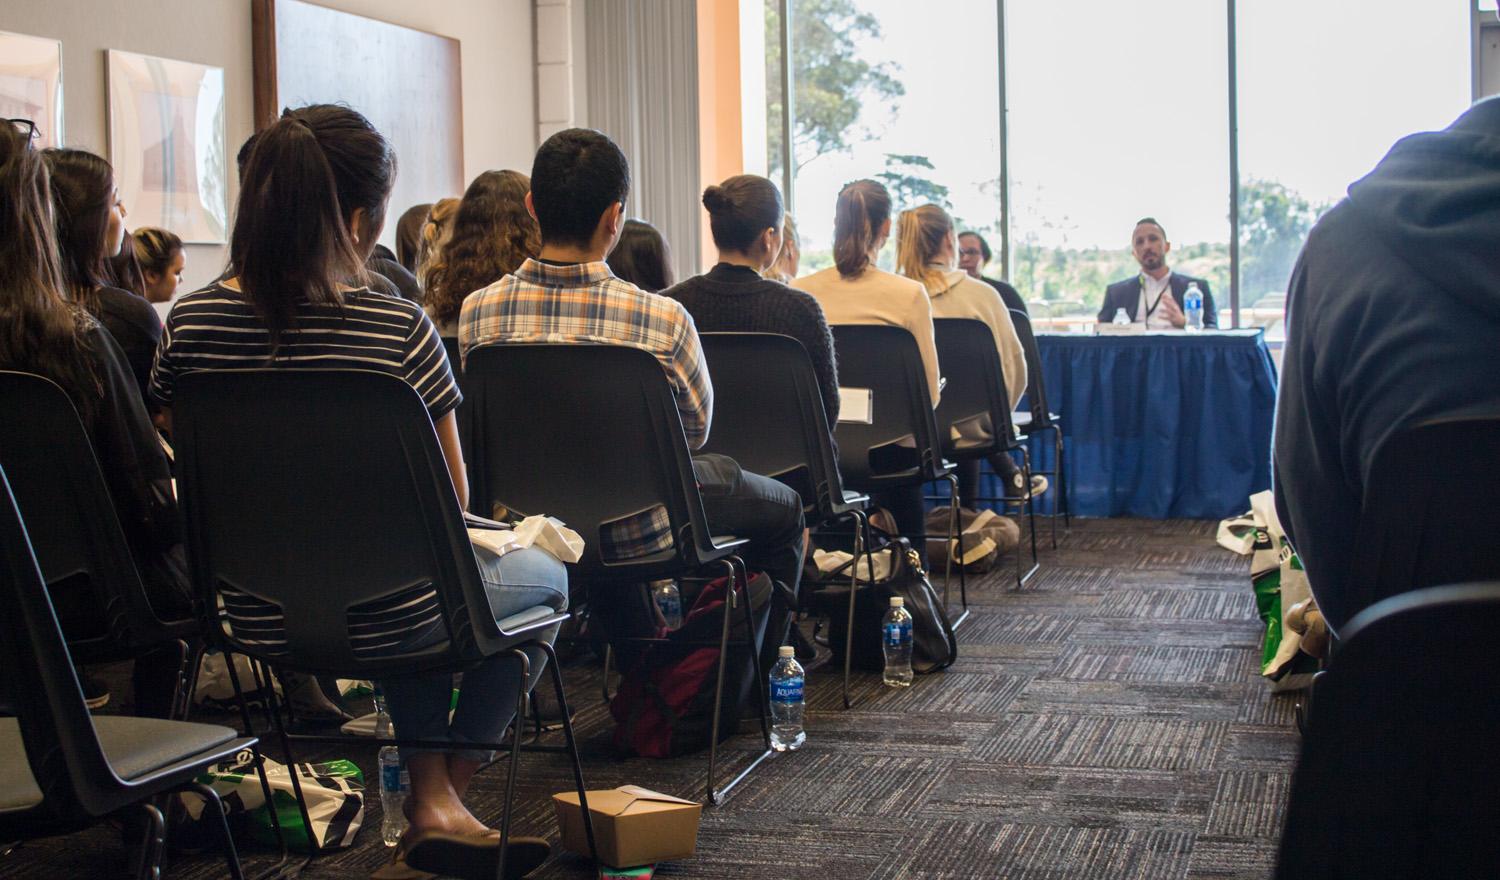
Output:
x,y
734,299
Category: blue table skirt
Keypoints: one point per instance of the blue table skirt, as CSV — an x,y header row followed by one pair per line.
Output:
x,y
1160,425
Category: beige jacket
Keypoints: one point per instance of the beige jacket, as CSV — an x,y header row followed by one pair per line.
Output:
x,y
965,297
878,297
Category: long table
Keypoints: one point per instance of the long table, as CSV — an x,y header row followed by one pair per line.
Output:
x,y
1161,425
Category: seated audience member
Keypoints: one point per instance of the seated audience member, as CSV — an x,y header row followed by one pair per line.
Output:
x,y
925,245
90,231
409,235
492,236
733,297
162,261
579,182
436,231
973,255
287,303
642,257
390,277
123,270
48,335
1144,297
855,291
1393,319
789,260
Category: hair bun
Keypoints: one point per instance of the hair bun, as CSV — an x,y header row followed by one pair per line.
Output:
x,y
715,199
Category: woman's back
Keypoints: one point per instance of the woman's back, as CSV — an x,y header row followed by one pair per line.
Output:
x,y
875,296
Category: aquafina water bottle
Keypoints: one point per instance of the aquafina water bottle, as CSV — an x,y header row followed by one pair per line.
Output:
x,y
786,702
895,638
1192,307
393,779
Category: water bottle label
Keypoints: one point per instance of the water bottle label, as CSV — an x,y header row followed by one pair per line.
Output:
x,y
390,776
671,606
898,633
787,690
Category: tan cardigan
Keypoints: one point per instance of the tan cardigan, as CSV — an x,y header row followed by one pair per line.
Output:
x,y
965,297
878,297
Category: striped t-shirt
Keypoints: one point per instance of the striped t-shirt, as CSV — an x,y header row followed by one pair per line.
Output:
x,y
216,328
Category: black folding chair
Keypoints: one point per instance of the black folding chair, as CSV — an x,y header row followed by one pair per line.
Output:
x,y
591,434
768,416
976,393
325,493
885,362
1399,763
1040,417
62,770
76,535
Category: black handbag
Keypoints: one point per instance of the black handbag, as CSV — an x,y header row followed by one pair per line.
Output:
x,y
934,643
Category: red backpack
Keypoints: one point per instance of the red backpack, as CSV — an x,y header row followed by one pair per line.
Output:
x,y
664,707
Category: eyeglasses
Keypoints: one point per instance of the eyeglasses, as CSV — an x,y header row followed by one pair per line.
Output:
x,y
26,127
970,252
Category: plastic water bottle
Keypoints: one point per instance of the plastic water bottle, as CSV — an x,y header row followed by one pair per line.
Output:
x,y
1192,307
1121,316
393,779
668,601
895,638
786,702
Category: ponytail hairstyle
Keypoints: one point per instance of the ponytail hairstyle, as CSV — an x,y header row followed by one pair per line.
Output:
x,y
155,249
863,207
40,331
741,209
83,191
920,236
306,176
492,236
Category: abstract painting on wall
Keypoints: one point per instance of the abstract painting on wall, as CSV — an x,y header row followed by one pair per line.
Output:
x,y
166,142
31,84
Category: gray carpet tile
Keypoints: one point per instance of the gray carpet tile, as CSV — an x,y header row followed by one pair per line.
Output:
x,y
1104,722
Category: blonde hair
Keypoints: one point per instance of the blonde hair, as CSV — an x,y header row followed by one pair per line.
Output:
x,y
920,233
154,248
791,251
435,232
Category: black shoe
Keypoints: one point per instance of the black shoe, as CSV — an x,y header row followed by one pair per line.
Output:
x,y
474,858
804,647
95,692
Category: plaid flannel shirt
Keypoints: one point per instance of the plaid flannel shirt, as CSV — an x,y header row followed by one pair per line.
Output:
x,y
585,302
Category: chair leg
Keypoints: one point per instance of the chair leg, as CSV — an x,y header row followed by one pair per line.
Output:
x,y
954,533
149,867
861,534
562,705
762,684
713,741
1062,479
291,764
189,681
517,723
260,767
609,654
212,802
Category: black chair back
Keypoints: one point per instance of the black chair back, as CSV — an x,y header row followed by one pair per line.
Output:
x,y
276,467
589,434
769,417
1036,383
976,386
1399,764
1428,514
73,777
71,519
886,361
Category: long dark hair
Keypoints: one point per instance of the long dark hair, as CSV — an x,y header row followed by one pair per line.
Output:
x,y
40,331
307,175
83,190
642,257
492,236
862,207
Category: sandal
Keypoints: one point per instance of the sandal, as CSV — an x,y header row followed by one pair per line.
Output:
x,y
398,869
474,858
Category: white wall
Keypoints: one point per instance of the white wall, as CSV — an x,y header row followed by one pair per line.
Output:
x,y
498,69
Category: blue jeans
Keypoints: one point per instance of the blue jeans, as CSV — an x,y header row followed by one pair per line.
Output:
x,y
419,704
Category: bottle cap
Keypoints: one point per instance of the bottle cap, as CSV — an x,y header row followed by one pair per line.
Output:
x,y
787,651
897,601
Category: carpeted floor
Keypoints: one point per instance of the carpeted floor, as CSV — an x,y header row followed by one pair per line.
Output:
x,y
1104,722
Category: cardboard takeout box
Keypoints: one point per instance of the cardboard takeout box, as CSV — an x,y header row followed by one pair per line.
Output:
x,y
632,825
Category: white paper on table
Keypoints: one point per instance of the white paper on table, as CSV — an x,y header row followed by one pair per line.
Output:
x,y
857,405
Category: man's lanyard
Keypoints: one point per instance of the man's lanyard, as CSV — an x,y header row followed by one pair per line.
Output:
x,y
1158,296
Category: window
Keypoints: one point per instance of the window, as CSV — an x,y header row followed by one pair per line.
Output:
x,y
1325,89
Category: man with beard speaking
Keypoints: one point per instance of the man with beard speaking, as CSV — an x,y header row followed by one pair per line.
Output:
x,y
1145,297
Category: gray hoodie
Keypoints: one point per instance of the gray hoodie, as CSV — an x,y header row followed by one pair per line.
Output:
x,y
1393,318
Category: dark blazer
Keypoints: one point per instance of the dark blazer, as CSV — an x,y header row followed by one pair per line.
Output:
x,y
1127,295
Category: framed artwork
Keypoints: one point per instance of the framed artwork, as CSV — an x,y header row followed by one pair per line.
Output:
x,y
166,142
31,84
